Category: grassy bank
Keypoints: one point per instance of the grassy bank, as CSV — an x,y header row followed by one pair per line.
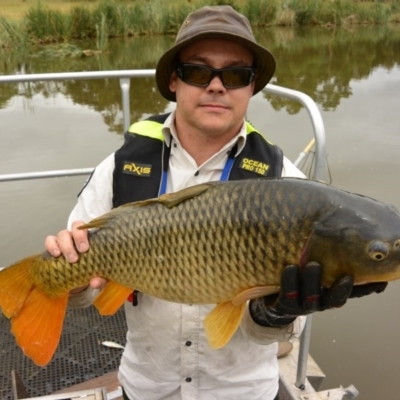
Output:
x,y
28,22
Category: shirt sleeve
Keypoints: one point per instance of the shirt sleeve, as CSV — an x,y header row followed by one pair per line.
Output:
x,y
82,299
95,199
264,335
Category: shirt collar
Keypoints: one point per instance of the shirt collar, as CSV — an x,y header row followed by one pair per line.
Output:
x,y
169,132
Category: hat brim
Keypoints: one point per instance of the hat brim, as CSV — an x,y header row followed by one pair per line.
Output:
x,y
265,61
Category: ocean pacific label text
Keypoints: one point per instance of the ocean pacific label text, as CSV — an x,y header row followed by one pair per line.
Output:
x,y
137,169
255,166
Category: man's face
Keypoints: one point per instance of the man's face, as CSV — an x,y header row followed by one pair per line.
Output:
x,y
212,110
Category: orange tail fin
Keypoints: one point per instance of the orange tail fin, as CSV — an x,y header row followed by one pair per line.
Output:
x,y
36,319
37,328
15,285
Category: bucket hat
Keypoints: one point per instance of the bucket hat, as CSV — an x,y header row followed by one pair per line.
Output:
x,y
215,22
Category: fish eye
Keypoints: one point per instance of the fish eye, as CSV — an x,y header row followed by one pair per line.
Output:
x,y
397,244
378,251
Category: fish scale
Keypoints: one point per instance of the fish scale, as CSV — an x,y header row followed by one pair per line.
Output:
x,y
220,242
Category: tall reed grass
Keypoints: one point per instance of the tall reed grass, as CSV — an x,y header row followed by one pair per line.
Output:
x,y
102,34
118,18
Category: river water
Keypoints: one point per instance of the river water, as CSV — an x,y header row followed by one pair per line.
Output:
x,y
352,74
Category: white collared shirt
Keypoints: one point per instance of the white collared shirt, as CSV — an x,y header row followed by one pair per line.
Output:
x,y
167,355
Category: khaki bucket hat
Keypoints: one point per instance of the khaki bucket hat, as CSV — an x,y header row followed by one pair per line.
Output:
x,y
215,22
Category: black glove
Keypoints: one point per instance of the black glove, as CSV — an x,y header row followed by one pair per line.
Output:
x,y
301,294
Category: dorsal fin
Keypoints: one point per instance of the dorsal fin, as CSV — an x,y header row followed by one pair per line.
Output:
x,y
168,200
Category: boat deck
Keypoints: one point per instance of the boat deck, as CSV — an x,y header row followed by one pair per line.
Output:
x,y
108,381
80,356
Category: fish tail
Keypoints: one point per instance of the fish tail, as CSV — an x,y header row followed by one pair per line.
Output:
x,y
15,285
36,318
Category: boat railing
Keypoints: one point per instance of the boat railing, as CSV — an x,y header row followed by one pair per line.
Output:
x,y
125,76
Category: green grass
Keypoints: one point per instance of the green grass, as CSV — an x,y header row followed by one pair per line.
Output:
x,y
49,21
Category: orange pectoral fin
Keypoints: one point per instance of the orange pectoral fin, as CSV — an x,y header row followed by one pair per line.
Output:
x,y
15,285
111,298
222,322
37,328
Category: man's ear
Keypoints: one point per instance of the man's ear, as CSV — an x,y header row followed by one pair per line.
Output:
x,y
253,84
172,82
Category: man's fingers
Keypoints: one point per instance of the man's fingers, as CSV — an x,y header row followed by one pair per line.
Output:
x,y
311,286
290,292
363,290
80,237
51,245
338,294
98,283
68,243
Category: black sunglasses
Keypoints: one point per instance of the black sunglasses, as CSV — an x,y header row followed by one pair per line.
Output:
x,y
201,75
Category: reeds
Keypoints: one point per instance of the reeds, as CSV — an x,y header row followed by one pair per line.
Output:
x,y
118,18
12,35
102,34
47,25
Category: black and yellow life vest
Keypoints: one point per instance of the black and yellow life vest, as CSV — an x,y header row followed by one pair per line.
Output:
x,y
140,161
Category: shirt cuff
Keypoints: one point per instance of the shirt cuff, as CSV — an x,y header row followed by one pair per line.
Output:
x,y
82,299
267,335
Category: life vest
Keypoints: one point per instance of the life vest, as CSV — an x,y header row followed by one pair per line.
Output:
x,y
140,161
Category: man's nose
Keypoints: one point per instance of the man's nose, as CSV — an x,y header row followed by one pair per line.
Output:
x,y
216,85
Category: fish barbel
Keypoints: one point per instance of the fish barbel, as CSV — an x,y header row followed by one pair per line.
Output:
x,y
220,243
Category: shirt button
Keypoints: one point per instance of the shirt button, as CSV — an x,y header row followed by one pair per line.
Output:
x,y
188,343
188,379
197,173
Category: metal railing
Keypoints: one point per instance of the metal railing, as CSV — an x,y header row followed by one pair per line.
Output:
x,y
124,77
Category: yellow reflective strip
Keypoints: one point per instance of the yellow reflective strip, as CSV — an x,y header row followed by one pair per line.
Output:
x,y
250,129
147,128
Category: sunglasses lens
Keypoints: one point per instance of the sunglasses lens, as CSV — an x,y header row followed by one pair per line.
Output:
x,y
200,75
236,77
196,75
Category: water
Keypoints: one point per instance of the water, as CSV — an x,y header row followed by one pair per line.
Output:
x,y
353,75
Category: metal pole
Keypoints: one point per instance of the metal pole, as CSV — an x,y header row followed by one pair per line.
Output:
x,y
303,355
317,123
45,174
125,84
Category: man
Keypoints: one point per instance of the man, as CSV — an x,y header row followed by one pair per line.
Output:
x,y
212,71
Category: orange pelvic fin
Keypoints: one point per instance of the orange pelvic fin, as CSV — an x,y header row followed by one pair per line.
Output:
x,y
15,285
111,298
37,328
222,322
254,293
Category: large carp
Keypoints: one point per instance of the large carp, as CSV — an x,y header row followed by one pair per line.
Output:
x,y
220,242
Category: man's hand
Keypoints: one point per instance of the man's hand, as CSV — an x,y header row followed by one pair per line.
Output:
x,y
71,244
302,294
